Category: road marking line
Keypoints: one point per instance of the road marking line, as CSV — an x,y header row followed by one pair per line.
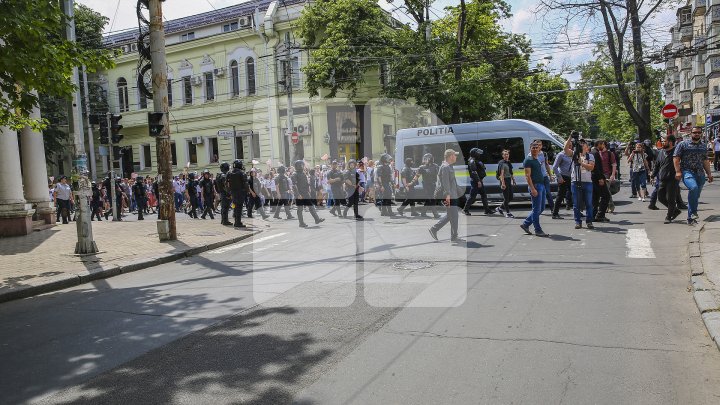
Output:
x,y
243,244
638,244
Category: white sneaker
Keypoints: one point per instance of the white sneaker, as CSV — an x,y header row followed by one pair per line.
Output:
x,y
499,210
643,199
640,198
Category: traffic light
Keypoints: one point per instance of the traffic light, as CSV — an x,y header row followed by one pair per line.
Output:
x,y
116,153
103,130
115,128
155,123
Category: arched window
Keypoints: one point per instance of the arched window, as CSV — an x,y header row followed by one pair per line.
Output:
x,y
250,67
235,78
122,88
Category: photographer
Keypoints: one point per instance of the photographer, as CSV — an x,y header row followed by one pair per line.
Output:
x,y
583,164
604,173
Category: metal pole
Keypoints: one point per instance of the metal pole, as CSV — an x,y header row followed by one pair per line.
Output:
x,y
81,183
289,89
91,140
113,196
271,131
160,104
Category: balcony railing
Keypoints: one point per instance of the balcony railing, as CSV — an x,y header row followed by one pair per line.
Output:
x,y
699,84
686,33
699,40
714,14
712,66
686,96
685,64
698,7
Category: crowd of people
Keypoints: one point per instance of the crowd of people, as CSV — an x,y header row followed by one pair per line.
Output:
x,y
587,174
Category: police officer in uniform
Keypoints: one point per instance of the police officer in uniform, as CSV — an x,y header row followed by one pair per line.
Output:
x,y
224,192
303,193
352,186
254,199
407,177
208,194
477,174
237,181
140,195
282,187
429,173
385,181
96,202
191,190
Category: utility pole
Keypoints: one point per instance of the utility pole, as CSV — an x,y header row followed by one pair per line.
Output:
x,y
81,183
91,140
289,90
160,105
111,152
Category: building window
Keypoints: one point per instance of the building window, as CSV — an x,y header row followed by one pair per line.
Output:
x,y
170,95
384,74
187,36
122,87
212,150
294,68
191,152
209,87
146,156
235,78
255,139
173,153
233,26
239,149
250,68
187,90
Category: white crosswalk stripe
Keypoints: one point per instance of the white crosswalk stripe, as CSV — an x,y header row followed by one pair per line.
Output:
x,y
638,244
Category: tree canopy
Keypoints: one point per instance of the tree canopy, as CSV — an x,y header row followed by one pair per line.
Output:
x,y
35,56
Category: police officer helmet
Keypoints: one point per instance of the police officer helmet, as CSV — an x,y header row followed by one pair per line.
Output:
x,y
428,157
238,164
475,153
299,165
352,162
385,158
281,169
191,176
224,167
206,171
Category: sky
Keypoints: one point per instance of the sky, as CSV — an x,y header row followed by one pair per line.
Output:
x,y
525,20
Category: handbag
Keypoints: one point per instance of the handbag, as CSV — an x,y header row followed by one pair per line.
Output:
x,y
614,187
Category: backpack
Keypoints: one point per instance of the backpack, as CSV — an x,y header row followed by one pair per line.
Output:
x,y
666,170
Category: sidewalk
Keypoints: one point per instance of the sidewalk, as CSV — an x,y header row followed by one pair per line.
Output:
x,y
43,261
704,253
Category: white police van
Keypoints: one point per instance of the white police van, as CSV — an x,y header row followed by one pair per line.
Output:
x,y
490,136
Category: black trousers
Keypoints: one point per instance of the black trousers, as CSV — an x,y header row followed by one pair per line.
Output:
x,y
563,190
63,210
141,205
352,201
409,199
256,203
668,196
283,203
507,195
474,191
224,207
208,206
601,199
193,206
239,201
716,161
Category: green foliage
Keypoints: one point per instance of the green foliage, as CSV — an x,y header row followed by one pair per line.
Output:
x,y
35,56
351,38
562,112
612,118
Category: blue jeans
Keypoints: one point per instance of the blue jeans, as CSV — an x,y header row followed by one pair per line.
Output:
x,y
178,201
538,205
694,182
639,180
587,194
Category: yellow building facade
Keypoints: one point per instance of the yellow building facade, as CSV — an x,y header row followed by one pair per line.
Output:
x,y
224,73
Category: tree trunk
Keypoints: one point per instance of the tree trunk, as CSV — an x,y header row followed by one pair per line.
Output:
x,y
642,83
458,59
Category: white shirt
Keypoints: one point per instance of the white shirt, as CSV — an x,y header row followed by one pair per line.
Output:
x,y
63,191
179,186
585,175
716,144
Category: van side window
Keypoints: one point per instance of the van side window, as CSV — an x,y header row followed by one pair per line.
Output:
x,y
416,152
493,148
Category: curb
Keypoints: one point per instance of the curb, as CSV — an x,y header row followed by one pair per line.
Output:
x,y
702,287
71,280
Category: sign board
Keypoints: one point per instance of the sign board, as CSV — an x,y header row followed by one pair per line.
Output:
x,y
295,138
229,133
713,111
103,150
669,111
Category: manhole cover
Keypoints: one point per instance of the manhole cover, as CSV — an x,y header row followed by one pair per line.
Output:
x,y
413,265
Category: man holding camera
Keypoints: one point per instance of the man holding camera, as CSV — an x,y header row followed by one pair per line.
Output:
x,y
605,171
581,176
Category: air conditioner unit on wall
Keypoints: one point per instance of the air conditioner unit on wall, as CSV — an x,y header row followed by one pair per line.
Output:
x,y
245,21
304,129
197,140
219,71
197,81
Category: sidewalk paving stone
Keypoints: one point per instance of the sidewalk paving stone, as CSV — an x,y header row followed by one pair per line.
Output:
x,y
44,261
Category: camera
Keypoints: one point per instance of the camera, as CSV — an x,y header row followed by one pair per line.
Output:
x,y
575,135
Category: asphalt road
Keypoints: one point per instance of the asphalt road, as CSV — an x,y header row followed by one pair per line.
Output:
x,y
377,312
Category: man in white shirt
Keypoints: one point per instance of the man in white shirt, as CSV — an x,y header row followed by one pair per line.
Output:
x,y
179,191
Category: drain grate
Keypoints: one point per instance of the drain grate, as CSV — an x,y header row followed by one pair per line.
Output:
x,y
413,265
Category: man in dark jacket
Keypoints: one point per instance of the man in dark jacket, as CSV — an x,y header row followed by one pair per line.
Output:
x,y
224,192
477,171
208,194
407,180
237,182
140,195
604,172
303,193
428,172
664,171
